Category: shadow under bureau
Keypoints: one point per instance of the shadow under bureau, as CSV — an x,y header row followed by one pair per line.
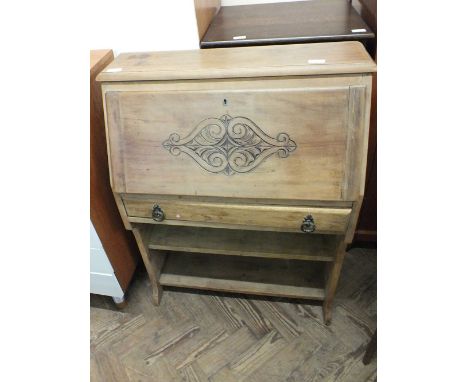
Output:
x,y
241,169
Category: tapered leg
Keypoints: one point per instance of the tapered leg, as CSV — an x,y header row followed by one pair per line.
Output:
x,y
327,314
153,261
333,276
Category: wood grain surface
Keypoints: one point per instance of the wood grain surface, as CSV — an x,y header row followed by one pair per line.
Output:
x,y
263,61
286,23
273,245
251,275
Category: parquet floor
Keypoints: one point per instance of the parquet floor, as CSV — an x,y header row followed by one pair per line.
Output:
x,y
198,336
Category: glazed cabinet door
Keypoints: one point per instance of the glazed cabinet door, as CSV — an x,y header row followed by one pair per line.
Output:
x,y
298,139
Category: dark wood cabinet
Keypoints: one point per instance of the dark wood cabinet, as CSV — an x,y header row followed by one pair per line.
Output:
x,y
286,23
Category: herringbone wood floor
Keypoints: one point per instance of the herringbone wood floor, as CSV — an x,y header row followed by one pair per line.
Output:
x,y
197,336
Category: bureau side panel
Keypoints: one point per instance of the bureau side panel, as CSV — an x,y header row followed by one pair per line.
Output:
x,y
356,148
358,135
116,142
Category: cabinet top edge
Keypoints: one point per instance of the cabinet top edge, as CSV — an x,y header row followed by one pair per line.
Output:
x,y
259,61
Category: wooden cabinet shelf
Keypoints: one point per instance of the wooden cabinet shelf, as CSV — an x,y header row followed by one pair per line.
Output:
x,y
251,275
280,245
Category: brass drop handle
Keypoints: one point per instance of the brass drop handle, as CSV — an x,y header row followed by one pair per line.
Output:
x,y
158,213
308,225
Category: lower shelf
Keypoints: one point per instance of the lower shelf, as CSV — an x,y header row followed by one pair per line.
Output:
x,y
219,241
250,275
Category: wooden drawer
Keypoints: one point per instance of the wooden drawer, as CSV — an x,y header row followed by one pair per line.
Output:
x,y
282,218
283,139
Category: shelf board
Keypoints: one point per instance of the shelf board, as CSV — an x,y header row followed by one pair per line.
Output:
x,y
295,246
249,275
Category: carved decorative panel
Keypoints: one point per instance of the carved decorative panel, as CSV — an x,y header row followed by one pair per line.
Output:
x,y
229,145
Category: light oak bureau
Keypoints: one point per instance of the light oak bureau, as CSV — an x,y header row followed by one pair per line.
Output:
x,y
241,169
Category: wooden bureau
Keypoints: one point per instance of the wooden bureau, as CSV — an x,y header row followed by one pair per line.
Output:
x,y
241,169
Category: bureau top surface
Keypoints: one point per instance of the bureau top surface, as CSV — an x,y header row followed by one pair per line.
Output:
x,y
260,61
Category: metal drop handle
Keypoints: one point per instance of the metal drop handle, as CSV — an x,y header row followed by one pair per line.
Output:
x,y
308,225
158,213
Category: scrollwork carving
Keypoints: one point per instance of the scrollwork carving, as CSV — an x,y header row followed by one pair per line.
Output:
x,y
229,145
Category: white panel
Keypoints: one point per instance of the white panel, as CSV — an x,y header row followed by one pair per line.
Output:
x,y
106,285
98,261
103,280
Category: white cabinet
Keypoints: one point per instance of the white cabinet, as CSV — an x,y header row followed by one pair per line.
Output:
x,y
102,276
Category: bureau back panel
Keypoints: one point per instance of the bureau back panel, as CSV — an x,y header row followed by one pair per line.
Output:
x,y
298,142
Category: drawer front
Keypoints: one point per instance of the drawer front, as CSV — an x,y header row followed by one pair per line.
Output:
x,y
284,143
289,218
